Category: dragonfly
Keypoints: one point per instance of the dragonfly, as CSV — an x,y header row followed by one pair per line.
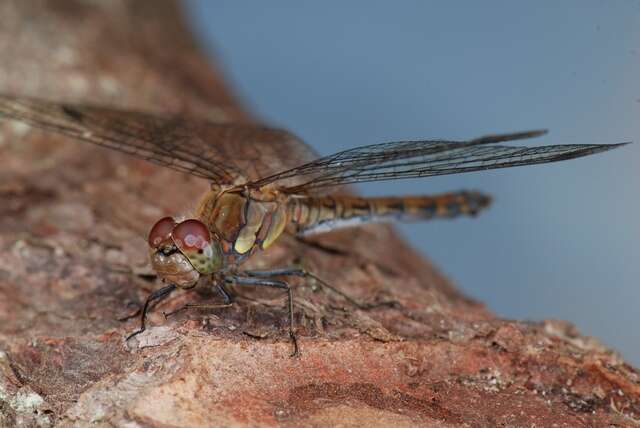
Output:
x,y
265,182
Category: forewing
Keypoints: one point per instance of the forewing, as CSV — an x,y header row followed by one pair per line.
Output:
x,y
225,153
410,159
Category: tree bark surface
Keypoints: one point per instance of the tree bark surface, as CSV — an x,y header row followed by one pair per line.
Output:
x,y
73,260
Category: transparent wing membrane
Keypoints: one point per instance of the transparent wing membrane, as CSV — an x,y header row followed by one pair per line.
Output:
x,y
221,152
411,159
232,153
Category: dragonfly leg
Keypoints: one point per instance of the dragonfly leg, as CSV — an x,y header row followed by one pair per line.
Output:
x,y
156,295
226,296
303,273
264,281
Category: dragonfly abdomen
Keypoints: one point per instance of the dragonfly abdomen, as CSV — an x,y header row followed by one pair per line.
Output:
x,y
317,215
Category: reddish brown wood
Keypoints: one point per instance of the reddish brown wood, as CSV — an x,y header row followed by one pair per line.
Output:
x,y
73,257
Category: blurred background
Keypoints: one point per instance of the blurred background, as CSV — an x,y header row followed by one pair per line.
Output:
x,y
561,240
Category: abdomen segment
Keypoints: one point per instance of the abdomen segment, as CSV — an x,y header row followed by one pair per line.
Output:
x,y
316,215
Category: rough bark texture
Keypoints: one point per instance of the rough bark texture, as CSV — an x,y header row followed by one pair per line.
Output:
x,y
73,260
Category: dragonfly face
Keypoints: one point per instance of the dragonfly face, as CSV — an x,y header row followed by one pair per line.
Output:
x,y
182,252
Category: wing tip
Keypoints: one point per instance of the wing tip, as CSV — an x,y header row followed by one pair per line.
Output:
x,y
606,147
588,150
530,134
513,136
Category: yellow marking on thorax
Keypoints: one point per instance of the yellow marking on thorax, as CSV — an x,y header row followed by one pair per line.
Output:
x,y
279,221
256,213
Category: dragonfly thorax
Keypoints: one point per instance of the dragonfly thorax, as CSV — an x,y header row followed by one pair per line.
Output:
x,y
182,252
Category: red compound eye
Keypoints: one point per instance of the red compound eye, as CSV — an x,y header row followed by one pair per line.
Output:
x,y
191,235
161,231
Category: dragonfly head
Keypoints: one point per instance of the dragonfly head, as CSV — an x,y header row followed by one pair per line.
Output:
x,y
182,252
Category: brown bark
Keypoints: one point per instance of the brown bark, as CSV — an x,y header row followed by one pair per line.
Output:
x,y
73,260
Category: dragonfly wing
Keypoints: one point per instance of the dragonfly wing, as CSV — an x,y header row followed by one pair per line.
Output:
x,y
377,154
409,159
225,153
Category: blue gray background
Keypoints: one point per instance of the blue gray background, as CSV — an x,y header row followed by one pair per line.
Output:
x,y
561,240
